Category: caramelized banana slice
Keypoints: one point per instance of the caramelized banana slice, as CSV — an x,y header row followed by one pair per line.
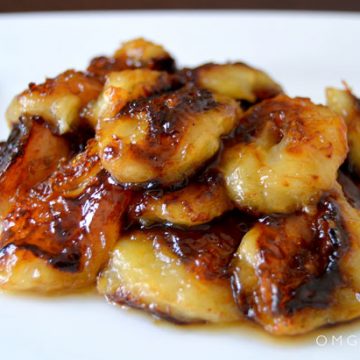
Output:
x,y
298,272
165,138
137,53
238,81
30,155
344,103
200,202
58,236
176,274
59,101
124,86
286,153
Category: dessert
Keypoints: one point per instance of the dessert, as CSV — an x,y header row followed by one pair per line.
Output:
x,y
196,194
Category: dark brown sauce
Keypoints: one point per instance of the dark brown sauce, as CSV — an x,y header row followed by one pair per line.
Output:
x,y
79,139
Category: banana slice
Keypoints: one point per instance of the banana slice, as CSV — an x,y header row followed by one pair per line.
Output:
x,y
165,138
137,53
297,272
30,155
176,274
287,152
198,203
59,101
239,81
59,234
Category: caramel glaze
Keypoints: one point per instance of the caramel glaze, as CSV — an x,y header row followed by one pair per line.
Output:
x,y
71,82
292,275
100,66
277,115
67,224
31,153
69,219
167,110
78,140
85,87
168,119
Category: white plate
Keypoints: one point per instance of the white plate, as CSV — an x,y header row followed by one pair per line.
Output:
x,y
304,51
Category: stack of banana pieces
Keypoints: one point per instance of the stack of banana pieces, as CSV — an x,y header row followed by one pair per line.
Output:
x,y
199,194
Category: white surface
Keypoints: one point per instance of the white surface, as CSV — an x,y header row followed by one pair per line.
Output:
x,y
304,52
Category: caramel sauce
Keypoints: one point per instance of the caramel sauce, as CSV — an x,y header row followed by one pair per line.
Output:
x,y
79,139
